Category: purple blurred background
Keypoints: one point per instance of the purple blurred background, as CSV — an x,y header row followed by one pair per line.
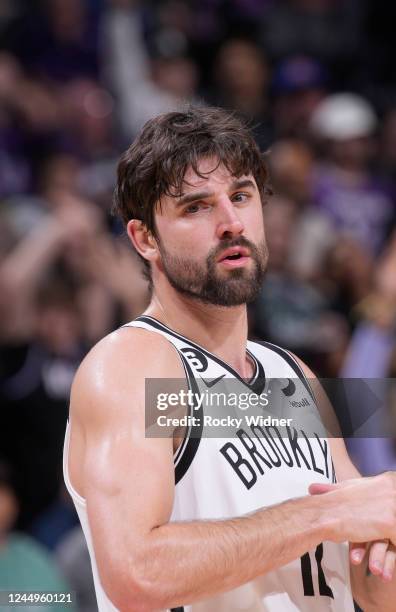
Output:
x,y
78,79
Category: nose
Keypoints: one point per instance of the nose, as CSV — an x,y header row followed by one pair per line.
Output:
x,y
229,224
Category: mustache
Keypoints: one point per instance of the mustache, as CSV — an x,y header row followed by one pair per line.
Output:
x,y
233,242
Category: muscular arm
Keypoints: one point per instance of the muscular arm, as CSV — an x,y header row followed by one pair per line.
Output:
x,y
145,562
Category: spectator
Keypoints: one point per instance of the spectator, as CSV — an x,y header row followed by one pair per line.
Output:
x,y
370,356
291,167
24,565
28,124
61,299
242,80
141,93
35,387
289,310
309,27
344,188
299,84
56,41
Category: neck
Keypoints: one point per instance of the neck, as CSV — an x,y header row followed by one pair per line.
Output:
x,y
221,330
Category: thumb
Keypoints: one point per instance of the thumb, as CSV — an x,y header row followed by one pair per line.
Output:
x,y
317,488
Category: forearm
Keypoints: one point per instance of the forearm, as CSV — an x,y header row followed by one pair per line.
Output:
x,y
187,562
371,592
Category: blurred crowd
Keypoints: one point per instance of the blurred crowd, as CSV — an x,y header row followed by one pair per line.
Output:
x,y
78,79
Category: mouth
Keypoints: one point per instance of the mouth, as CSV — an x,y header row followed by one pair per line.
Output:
x,y
234,257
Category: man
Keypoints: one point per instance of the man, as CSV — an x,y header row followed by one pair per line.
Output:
x,y
244,526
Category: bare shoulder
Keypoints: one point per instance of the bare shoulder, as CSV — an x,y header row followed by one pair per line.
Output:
x,y
117,367
107,407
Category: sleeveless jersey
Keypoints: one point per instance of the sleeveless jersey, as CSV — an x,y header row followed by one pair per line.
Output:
x,y
253,467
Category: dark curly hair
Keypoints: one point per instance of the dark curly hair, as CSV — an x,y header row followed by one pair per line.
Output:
x,y
168,145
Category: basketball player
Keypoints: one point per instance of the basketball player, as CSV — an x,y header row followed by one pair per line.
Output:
x,y
255,521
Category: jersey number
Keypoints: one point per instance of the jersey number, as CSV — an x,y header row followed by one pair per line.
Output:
x,y
306,572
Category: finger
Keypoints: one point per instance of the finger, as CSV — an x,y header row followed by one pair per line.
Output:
x,y
377,555
389,564
357,552
317,488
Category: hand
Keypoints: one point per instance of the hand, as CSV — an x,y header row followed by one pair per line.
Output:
x,y
79,219
381,553
381,557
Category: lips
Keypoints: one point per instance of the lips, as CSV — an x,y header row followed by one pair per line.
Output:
x,y
234,253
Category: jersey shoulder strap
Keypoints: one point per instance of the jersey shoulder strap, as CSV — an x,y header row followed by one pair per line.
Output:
x,y
279,362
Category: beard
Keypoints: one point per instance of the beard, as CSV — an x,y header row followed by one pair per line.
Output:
x,y
202,281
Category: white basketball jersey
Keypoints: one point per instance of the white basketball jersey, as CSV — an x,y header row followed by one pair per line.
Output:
x,y
254,467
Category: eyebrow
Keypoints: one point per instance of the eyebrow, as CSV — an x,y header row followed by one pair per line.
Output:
x,y
188,198
193,197
241,183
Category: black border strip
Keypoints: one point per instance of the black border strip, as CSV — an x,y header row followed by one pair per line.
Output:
x,y
256,365
180,450
195,434
186,452
258,381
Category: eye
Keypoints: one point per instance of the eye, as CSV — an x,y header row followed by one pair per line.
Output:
x,y
241,196
195,207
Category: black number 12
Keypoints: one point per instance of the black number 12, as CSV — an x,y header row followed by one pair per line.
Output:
x,y
306,572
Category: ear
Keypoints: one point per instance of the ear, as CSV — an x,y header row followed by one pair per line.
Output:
x,y
143,241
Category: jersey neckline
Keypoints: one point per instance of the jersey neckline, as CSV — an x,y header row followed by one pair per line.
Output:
x,y
255,384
